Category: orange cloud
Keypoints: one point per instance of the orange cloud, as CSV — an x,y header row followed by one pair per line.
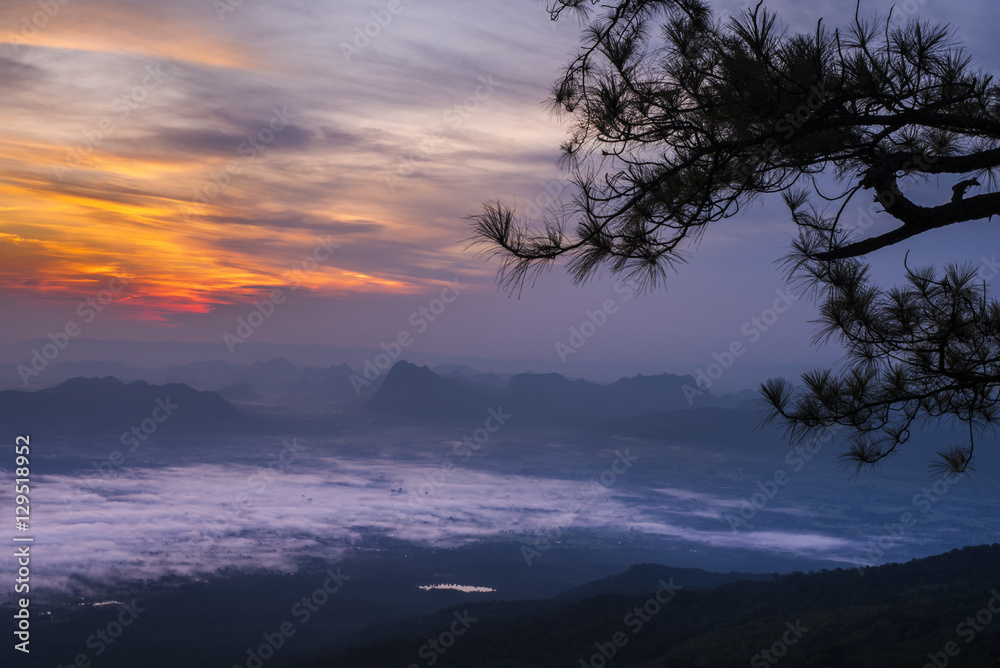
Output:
x,y
145,30
62,241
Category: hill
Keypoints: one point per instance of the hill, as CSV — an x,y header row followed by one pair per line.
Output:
x,y
98,404
892,615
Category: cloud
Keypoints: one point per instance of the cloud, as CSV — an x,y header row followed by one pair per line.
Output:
x,y
193,519
391,151
169,169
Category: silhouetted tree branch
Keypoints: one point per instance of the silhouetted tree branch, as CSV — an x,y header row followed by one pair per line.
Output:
x,y
679,120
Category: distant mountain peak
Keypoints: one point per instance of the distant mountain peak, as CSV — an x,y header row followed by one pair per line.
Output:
x,y
85,383
274,363
412,389
109,404
549,398
405,369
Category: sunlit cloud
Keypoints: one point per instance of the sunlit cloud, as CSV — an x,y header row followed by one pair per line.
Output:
x,y
129,141
206,154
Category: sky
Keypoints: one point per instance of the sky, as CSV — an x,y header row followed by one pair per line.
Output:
x,y
181,162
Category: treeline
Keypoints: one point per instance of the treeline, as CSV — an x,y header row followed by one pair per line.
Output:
x,y
934,611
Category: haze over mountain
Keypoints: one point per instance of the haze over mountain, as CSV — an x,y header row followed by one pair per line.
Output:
x,y
406,391
416,391
584,473
140,359
97,404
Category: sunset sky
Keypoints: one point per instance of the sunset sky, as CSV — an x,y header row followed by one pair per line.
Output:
x,y
199,151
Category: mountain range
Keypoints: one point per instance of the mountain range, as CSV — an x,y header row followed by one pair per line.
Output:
x,y
98,404
417,392
407,393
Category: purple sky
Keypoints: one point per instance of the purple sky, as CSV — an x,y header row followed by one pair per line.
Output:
x,y
120,114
